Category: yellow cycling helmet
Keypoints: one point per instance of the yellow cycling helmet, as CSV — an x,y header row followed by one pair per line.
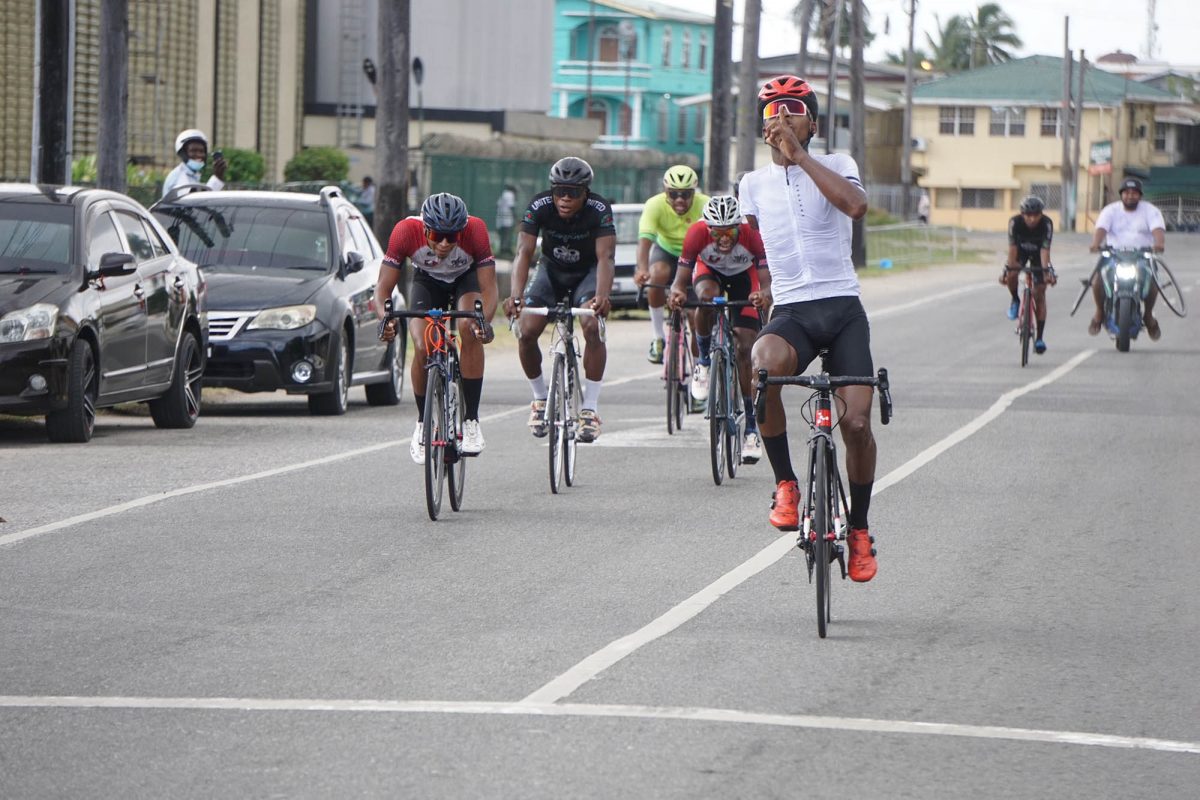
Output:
x,y
680,176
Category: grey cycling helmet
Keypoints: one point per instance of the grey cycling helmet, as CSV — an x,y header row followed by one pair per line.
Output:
x,y
444,212
571,171
1032,205
721,211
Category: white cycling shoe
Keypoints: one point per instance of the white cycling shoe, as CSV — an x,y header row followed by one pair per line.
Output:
x,y
751,448
472,441
699,385
416,448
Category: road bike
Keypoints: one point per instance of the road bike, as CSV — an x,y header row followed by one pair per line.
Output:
x,y
565,399
677,365
443,429
826,512
724,410
1027,313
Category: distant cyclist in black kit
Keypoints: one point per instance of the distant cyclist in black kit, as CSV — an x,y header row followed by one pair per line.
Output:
x,y
578,243
1029,235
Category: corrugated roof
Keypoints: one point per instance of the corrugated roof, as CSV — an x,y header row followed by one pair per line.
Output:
x,y
653,10
1036,80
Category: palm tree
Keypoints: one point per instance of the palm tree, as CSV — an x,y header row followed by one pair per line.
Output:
x,y
951,51
819,15
991,32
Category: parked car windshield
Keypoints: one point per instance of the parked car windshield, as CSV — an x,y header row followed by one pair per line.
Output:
x,y
35,237
627,225
239,235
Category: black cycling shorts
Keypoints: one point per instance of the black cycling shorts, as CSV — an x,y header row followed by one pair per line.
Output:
x,y
429,292
1034,260
549,285
838,324
734,287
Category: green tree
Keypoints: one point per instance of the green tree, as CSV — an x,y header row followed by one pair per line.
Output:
x,y
821,16
965,42
951,51
318,164
245,166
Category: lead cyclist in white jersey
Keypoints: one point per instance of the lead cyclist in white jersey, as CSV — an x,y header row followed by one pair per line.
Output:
x,y
802,205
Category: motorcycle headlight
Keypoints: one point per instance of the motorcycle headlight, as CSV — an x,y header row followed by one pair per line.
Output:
x,y
286,318
1126,272
26,324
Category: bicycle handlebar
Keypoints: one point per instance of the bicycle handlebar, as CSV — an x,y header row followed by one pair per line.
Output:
x,y
557,312
436,314
824,382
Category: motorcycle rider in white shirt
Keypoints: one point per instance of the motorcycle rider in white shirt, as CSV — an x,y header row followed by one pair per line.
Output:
x,y
1131,223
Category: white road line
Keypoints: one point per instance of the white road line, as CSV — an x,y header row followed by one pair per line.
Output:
x,y
671,713
587,669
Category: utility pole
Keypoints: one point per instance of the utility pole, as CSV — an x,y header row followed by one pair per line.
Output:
x,y
112,139
747,126
831,98
392,117
858,127
1067,178
906,153
1078,136
806,12
51,133
721,125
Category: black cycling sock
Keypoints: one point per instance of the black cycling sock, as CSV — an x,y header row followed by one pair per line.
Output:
x,y
705,345
751,424
1041,327
780,456
860,503
1016,299
420,398
472,390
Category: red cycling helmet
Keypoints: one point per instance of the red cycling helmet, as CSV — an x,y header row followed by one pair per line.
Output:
x,y
788,86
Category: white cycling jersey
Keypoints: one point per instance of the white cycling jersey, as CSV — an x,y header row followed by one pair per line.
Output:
x,y
806,237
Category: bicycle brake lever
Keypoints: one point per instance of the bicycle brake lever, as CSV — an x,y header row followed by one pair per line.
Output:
x,y
760,396
885,397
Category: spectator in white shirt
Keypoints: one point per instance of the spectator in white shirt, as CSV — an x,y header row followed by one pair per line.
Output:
x,y
192,147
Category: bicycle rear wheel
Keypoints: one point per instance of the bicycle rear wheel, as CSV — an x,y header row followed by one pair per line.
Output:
x,y
820,542
556,413
1024,326
435,440
574,398
456,470
718,425
674,382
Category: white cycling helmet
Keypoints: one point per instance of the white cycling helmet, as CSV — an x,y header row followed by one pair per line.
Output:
x,y
721,211
187,136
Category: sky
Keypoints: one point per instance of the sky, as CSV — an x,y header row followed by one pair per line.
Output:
x,y
1097,26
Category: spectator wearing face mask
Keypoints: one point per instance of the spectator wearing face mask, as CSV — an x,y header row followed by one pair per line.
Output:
x,y
192,147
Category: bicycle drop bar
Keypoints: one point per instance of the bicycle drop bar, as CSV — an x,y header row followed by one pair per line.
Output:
x,y
823,382
434,314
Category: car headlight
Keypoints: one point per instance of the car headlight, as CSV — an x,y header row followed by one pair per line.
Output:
x,y
287,318
26,324
1126,272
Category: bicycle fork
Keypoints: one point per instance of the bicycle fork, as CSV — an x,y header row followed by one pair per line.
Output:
x,y
822,446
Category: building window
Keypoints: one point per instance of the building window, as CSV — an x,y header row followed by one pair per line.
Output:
x,y
1007,122
666,46
610,44
700,124
1160,137
598,110
664,119
1051,194
1050,122
703,50
978,198
625,121
956,120
685,48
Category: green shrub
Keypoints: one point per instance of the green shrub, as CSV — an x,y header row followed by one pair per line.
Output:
x,y
326,164
245,166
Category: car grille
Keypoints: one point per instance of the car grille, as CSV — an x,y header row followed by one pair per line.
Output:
x,y
224,325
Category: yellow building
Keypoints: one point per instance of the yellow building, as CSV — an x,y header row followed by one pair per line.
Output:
x,y
986,138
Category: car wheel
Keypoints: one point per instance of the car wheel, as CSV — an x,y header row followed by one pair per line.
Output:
x,y
335,402
179,407
390,392
77,421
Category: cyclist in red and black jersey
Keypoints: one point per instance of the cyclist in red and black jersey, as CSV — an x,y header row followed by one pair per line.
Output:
x,y
452,262
1029,236
578,243
723,255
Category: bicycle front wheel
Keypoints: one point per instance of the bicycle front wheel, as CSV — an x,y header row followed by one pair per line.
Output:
x,y
822,503
674,379
574,398
1025,326
435,439
456,470
556,414
717,424
735,428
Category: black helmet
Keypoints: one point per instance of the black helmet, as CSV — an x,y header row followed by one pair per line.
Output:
x,y
1131,183
571,171
444,213
1032,205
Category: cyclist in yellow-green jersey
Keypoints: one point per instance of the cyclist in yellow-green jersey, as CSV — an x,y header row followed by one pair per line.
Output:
x,y
666,218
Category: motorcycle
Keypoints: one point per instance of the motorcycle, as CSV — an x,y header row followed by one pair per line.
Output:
x,y
1127,276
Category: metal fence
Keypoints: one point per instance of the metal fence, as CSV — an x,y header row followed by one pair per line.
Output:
x,y
890,199
1180,212
911,243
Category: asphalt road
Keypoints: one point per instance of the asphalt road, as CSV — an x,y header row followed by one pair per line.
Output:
x,y
260,606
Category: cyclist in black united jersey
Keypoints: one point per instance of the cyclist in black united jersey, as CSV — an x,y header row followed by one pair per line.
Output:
x,y
1029,235
578,242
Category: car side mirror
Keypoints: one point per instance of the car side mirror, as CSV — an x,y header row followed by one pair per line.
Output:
x,y
354,263
114,264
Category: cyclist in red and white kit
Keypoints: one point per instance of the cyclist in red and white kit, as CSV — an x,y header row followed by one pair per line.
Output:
x,y
452,262
803,205
723,255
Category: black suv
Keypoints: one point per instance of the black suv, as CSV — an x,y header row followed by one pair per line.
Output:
x,y
291,282
97,307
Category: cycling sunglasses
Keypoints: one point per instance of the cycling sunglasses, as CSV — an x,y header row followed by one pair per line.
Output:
x,y
722,231
796,108
681,194
441,236
573,192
